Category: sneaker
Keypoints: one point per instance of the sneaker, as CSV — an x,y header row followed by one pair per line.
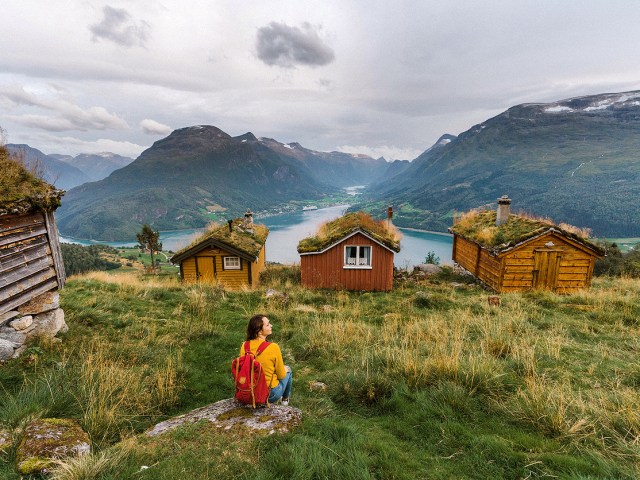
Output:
x,y
285,402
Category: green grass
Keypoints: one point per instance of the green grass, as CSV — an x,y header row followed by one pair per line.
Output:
x,y
427,381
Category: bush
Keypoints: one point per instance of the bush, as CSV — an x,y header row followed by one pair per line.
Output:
x,y
81,259
616,264
280,275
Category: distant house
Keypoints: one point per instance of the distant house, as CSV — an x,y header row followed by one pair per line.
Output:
x,y
231,255
30,257
353,252
511,253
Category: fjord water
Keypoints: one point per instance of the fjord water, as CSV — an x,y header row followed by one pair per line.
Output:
x,y
286,230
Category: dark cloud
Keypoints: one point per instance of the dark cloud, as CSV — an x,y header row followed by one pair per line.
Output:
x,y
118,26
285,46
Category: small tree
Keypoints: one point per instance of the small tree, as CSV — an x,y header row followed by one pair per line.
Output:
x,y
432,258
149,239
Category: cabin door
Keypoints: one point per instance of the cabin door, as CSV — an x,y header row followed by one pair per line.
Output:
x,y
546,268
206,269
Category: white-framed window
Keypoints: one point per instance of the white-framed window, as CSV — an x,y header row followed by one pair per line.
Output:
x,y
357,256
231,263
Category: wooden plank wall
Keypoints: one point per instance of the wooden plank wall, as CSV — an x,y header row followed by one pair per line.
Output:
x,y
56,252
325,270
465,254
231,279
258,266
575,269
27,266
478,261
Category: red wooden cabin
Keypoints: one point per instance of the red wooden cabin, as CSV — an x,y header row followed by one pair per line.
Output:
x,y
353,252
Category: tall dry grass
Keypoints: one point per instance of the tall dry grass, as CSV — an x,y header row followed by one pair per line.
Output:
x,y
114,393
528,373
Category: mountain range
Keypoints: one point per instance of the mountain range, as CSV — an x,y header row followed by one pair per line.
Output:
x,y
575,161
95,166
181,179
65,171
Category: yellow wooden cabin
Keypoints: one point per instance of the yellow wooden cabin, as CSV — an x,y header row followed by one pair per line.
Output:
x,y
231,255
511,253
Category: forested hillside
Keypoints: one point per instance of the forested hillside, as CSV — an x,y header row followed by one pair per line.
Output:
x,y
576,161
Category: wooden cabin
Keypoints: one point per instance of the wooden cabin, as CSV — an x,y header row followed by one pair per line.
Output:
x,y
353,252
511,253
30,257
231,255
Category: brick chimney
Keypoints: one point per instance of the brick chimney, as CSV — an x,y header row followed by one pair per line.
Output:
x,y
504,210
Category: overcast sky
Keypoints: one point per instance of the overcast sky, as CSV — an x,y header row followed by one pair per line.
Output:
x,y
376,77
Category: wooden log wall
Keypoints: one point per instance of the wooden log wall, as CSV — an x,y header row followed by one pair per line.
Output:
x,y
29,264
478,261
575,268
326,270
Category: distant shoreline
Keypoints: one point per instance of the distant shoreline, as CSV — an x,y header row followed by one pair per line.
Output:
x,y
425,231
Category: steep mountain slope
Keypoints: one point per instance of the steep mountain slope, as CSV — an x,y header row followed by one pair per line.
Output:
x,y
54,171
575,161
176,182
95,166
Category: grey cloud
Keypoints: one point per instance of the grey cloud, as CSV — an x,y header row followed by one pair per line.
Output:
x,y
151,127
68,115
118,27
285,46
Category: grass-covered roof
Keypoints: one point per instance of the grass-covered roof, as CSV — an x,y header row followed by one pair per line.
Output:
x,y
480,227
333,231
240,239
21,191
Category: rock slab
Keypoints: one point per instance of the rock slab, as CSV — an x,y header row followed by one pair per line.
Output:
x,y
5,440
6,349
229,413
47,440
22,323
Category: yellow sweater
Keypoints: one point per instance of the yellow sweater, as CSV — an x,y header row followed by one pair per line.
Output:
x,y
270,359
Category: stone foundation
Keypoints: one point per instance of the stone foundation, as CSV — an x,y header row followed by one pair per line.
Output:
x,y
42,316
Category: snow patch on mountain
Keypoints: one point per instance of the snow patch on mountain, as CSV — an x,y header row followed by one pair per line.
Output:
x,y
558,108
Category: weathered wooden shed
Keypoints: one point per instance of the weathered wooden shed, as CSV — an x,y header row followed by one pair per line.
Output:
x,y
30,258
512,253
231,255
353,252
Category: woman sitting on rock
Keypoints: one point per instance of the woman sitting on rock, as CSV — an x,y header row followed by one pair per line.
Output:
x,y
277,374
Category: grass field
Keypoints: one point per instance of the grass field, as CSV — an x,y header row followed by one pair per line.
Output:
x,y
427,381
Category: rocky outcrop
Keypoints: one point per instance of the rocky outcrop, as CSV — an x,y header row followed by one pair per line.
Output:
x,y
47,440
5,440
229,413
42,316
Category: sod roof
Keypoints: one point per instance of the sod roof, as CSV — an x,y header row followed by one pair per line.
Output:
x,y
22,192
480,227
334,231
239,241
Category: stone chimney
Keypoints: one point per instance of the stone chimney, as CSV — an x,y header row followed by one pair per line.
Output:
x,y
230,222
247,223
504,210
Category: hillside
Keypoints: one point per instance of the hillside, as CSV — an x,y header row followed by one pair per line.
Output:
x,y
53,170
575,161
428,381
95,166
180,179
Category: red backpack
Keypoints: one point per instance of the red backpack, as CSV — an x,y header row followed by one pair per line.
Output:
x,y
251,384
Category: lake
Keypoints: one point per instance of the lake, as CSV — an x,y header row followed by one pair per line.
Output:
x,y
285,231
